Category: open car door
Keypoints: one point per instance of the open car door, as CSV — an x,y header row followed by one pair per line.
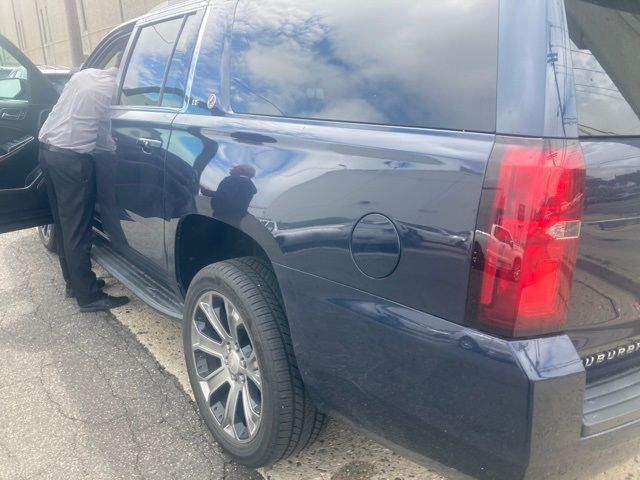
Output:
x,y
26,97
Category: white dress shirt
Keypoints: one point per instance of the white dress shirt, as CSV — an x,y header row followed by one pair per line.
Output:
x,y
80,119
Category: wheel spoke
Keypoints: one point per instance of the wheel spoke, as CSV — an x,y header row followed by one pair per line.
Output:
x,y
230,410
252,371
251,359
251,417
216,380
215,322
205,344
233,319
254,376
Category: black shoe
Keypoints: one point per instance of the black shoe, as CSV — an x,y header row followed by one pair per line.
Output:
x,y
105,302
69,293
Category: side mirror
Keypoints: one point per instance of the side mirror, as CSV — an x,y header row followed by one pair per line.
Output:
x,y
13,89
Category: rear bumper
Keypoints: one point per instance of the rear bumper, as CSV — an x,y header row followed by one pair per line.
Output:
x,y
489,407
576,430
586,457
609,431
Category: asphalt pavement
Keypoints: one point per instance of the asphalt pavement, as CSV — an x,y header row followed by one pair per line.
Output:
x,y
106,395
80,397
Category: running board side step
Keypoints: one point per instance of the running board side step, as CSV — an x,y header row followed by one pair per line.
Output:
x,y
143,286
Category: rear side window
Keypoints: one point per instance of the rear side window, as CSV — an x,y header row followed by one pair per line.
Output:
x,y
605,50
159,64
393,62
174,89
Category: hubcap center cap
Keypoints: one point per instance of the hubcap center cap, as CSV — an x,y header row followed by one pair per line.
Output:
x,y
234,363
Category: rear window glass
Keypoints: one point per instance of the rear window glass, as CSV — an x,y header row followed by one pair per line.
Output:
x,y
394,62
605,50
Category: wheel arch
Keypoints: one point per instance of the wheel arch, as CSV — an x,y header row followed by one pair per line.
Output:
x,y
214,240
202,240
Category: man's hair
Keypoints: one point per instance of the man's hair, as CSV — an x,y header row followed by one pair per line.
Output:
x,y
243,170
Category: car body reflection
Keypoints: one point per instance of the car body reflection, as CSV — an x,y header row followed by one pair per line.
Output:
x,y
498,250
234,193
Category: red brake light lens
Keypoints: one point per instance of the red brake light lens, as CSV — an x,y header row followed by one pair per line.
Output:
x,y
527,237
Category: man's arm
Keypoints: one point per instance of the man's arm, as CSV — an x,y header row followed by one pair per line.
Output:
x,y
97,107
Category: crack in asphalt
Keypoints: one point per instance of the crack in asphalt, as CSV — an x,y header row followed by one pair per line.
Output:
x,y
60,408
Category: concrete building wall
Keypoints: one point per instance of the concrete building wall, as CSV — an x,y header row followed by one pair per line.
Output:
x,y
7,24
40,28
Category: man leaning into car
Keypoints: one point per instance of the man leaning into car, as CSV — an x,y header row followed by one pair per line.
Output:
x,y
68,139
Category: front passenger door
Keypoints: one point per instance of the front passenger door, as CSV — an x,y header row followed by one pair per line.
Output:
x,y
26,97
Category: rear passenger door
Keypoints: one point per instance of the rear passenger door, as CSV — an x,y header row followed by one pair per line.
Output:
x,y
131,175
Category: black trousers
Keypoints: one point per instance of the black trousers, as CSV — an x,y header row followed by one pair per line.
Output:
x,y
71,187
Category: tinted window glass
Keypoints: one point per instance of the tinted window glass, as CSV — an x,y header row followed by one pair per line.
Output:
x,y
147,64
605,46
398,62
174,90
206,83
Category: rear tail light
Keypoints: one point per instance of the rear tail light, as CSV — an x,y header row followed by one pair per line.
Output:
x,y
526,237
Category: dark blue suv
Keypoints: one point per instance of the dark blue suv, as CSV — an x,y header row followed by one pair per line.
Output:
x,y
420,217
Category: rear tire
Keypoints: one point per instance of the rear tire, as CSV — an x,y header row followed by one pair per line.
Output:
x,y
236,336
47,234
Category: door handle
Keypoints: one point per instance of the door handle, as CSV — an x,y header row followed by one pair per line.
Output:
x,y
148,143
13,114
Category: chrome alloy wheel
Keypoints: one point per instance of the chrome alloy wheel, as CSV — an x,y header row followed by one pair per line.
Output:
x,y
227,366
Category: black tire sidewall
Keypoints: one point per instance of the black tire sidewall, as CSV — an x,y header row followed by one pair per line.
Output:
x,y
50,243
256,452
